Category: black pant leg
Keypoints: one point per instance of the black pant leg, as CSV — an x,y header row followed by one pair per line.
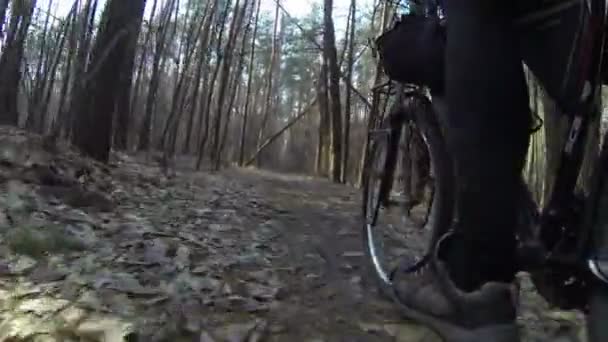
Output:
x,y
488,133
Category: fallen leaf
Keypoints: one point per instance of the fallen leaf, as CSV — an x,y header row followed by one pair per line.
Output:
x,y
182,257
104,329
206,337
237,332
126,283
23,264
46,274
43,305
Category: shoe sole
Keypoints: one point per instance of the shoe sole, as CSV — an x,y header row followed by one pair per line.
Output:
x,y
452,333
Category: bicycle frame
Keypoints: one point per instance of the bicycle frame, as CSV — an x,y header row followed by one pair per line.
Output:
x,y
566,215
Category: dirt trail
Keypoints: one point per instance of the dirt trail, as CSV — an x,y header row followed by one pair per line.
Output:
x,y
322,229
92,252
330,295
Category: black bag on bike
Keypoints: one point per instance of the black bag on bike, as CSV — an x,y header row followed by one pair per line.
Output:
x,y
413,51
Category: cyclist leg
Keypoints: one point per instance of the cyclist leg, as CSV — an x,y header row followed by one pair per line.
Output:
x,y
488,133
488,121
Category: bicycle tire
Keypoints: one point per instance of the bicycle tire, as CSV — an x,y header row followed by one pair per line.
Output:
x,y
441,163
421,113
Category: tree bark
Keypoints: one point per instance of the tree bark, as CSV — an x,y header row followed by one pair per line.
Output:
x,y
183,86
208,15
322,160
331,54
269,84
157,66
143,59
34,118
122,110
109,59
349,79
3,10
11,60
206,112
82,60
52,75
249,81
375,105
235,26
62,124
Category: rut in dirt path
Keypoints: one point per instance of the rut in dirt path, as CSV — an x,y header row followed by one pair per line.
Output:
x,y
330,293
322,228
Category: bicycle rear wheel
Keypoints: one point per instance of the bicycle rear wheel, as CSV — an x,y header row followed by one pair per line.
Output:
x,y
390,233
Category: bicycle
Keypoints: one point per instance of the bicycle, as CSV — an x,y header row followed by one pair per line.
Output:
x,y
564,245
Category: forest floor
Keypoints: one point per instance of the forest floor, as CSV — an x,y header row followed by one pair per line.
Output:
x,y
120,252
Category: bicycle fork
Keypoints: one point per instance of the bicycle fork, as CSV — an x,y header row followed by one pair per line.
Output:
x,y
390,163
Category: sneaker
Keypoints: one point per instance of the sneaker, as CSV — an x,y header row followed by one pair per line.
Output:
x,y
429,297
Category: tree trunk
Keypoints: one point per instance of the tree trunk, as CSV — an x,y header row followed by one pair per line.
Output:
x,y
11,59
349,79
63,125
249,81
208,15
51,76
235,26
331,54
375,105
157,66
81,63
3,10
236,85
34,118
269,86
236,89
143,59
206,112
183,86
322,164
109,60
180,77
122,111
